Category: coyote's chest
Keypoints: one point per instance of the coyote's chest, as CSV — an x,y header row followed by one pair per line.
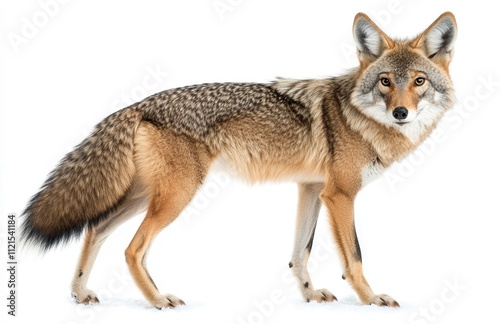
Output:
x,y
371,171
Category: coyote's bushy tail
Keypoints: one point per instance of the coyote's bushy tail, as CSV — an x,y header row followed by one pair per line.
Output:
x,y
87,184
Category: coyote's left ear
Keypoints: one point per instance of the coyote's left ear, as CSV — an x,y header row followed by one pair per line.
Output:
x,y
437,41
370,40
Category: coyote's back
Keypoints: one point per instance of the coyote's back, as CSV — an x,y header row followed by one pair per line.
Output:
x,y
245,124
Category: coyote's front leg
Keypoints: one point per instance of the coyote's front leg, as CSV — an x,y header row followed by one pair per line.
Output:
x,y
307,217
340,205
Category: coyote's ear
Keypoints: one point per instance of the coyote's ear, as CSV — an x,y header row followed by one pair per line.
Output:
x,y
370,40
437,41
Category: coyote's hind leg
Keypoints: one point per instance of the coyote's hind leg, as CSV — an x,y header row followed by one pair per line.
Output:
x,y
95,236
171,167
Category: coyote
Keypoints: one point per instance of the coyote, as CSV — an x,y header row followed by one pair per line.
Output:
x,y
331,136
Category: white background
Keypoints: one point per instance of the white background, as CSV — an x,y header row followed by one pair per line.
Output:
x,y
430,225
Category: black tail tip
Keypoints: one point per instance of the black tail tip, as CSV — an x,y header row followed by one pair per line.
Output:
x,y
45,239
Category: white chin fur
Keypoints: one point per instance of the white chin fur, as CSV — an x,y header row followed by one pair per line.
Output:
x,y
417,122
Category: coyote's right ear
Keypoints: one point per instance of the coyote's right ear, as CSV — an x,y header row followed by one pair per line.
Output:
x,y
370,40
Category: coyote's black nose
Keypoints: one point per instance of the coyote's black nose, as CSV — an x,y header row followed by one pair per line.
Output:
x,y
400,113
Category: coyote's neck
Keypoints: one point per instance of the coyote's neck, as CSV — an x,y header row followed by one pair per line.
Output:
x,y
312,93
388,142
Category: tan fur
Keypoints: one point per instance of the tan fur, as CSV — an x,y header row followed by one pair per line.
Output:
x,y
408,97
330,136
288,155
134,203
171,178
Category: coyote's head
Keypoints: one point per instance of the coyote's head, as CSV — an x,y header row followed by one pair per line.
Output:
x,y
404,84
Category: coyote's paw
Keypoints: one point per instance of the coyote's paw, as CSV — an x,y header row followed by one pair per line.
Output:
x,y
167,301
383,300
85,296
320,295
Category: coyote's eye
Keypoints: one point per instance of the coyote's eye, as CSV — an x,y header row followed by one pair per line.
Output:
x,y
419,82
385,82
